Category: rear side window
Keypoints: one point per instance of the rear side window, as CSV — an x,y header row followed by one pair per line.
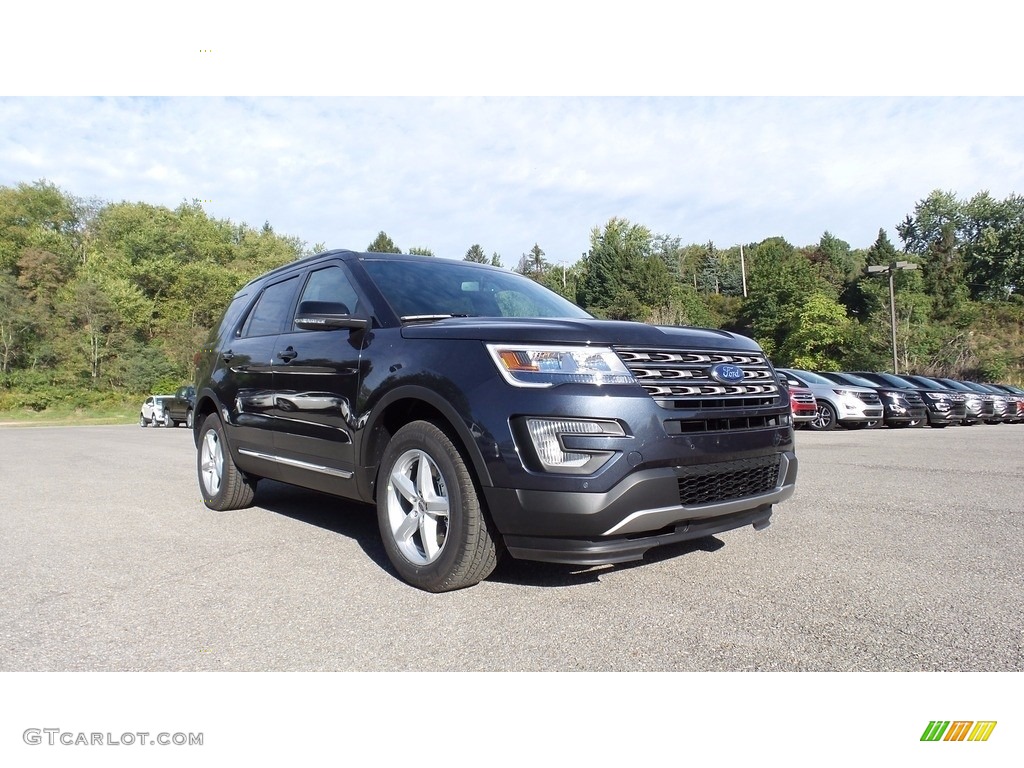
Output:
x,y
272,309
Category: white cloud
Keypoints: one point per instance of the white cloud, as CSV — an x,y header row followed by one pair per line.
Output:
x,y
508,172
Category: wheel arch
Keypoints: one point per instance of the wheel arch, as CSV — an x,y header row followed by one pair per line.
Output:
x,y
407,404
205,404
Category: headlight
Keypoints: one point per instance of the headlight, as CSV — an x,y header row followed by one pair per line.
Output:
x,y
543,366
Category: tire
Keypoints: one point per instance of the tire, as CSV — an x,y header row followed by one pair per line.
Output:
x,y
222,484
142,421
188,419
435,530
826,418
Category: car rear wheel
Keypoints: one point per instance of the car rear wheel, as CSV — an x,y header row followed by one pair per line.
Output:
x,y
826,418
188,419
435,530
143,422
223,485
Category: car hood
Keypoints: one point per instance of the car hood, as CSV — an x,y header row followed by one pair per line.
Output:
x,y
573,331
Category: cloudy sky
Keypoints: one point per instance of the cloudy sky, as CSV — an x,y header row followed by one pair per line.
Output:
x,y
343,162
508,172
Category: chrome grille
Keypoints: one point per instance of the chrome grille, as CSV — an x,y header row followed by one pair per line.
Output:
x,y
682,378
803,397
868,398
709,483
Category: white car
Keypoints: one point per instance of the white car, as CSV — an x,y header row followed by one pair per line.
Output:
x,y
152,411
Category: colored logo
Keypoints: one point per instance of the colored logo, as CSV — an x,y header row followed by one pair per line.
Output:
x,y
958,730
727,374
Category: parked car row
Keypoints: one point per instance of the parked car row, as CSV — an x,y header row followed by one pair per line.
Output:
x,y
859,399
169,410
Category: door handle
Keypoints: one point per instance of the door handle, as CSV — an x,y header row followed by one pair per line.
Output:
x,y
227,356
288,354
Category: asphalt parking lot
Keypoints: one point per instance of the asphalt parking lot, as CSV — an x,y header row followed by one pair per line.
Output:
x,y
900,551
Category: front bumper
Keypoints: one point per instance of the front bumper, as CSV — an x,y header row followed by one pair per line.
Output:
x,y
646,509
905,415
954,413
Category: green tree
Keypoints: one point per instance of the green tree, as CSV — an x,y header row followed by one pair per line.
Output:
x,y
383,244
16,323
936,232
994,246
476,254
780,279
717,271
818,334
96,320
533,264
832,261
420,251
860,296
41,216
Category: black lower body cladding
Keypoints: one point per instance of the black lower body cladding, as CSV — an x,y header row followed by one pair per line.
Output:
x,y
647,508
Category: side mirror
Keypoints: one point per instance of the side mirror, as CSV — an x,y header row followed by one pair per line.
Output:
x,y
327,315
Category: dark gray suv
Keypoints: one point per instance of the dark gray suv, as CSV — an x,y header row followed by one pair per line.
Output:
x,y
484,414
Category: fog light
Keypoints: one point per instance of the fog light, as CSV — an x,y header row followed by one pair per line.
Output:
x,y
547,437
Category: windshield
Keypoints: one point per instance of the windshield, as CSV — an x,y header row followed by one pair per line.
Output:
x,y
859,381
927,383
954,384
436,288
813,378
896,381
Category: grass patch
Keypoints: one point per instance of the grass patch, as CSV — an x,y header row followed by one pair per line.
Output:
x,y
126,413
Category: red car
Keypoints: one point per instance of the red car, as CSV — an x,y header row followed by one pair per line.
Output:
x,y
803,404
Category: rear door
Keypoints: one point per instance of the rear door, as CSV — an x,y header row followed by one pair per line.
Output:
x,y
248,359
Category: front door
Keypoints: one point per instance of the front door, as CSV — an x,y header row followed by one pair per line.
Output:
x,y
316,379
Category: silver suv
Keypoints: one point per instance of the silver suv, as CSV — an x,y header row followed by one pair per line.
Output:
x,y
849,406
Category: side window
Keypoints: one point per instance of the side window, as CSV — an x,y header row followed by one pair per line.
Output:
x,y
272,309
329,290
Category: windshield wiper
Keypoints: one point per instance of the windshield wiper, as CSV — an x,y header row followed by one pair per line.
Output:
x,y
429,318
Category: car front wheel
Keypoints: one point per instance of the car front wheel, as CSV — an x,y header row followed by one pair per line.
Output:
x,y
435,530
826,418
223,485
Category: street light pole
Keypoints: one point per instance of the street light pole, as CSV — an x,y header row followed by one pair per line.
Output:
x,y
743,271
891,270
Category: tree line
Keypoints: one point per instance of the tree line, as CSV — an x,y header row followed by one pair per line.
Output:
x,y
99,299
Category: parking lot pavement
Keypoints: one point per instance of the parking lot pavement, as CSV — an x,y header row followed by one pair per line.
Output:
x,y
901,550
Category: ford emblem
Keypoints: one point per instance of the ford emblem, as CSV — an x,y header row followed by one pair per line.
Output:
x,y
727,374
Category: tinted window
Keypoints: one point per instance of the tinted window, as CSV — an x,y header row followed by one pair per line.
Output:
x,y
812,378
272,309
860,381
927,383
330,286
